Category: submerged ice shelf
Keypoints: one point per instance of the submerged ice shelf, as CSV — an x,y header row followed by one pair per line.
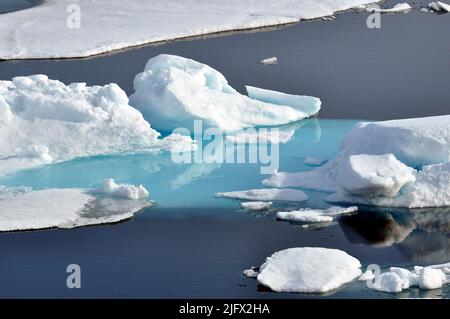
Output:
x,y
76,32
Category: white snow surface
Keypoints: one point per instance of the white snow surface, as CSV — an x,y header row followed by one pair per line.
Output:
x,y
45,121
267,194
105,24
398,8
254,206
63,208
376,165
308,269
173,91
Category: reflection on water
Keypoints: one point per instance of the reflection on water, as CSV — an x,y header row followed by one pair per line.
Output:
x,y
420,234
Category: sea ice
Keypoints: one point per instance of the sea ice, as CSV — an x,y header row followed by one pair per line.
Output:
x,y
98,26
310,270
174,91
367,276
431,278
438,6
63,208
308,215
127,191
47,121
398,8
251,273
267,194
268,61
388,282
256,205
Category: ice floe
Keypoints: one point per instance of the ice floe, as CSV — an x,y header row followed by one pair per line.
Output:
x,y
398,8
308,215
256,205
268,61
267,194
401,163
45,121
308,269
81,32
64,208
174,91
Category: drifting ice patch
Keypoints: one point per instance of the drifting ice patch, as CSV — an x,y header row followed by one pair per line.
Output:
x,y
45,121
310,270
308,215
64,208
268,61
256,205
267,194
174,91
398,8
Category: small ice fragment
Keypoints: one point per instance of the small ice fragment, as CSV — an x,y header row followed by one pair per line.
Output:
x,y
272,60
388,282
398,8
438,6
408,278
430,278
305,216
252,272
256,205
366,276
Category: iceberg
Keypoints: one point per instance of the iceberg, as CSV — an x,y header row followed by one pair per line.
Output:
x,y
80,32
267,194
400,163
398,8
255,206
28,209
308,270
174,91
45,121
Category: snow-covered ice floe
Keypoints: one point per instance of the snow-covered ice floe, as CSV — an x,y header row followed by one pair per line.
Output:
x,y
398,279
401,163
174,91
255,206
31,34
438,6
45,121
26,209
398,8
308,215
308,270
267,194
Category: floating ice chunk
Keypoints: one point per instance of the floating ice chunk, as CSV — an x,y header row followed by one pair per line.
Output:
x,y
308,270
388,282
251,273
127,191
316,180
30,34
373,175
267,194
63,208
431,278
304,216
268,61
173,91
314,161
256,205
308,215
398,8
59,122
